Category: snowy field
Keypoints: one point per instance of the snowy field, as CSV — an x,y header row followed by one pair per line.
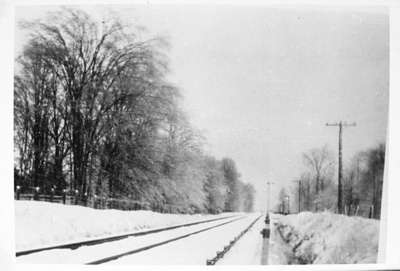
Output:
x,y
39,224
323,238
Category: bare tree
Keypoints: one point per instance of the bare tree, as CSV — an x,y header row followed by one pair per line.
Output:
x,y
372,181
99,66
318,162
92,100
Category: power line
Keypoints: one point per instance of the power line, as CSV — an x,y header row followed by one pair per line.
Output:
x,y
341,124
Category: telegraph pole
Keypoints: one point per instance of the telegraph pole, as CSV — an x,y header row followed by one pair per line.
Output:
x,y
288,204
341,124
299,181
268,199
269,195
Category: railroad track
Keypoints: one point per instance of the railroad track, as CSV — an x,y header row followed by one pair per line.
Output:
x,y
136,245
117,256
221,254
98,241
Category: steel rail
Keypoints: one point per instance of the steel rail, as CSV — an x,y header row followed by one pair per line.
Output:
x,y
221,254
92,242
117,256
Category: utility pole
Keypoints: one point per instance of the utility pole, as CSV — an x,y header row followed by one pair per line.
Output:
x,y
341,124
287,211
269,195
268,200
299,181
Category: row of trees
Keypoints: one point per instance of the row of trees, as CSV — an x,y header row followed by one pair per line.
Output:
x,y
94,113
316,188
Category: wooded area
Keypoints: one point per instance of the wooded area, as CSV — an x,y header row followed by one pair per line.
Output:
x,y
94,113
316,189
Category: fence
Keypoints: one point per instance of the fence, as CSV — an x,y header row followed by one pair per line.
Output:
x,y
97,202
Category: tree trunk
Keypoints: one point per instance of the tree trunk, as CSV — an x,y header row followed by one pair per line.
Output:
x,y
58,169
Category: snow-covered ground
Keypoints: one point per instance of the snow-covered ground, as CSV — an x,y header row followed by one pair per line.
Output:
x,y
317,238
248,249
323,238
196,249
39,224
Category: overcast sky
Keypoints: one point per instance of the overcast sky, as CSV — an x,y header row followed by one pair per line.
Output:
x,y
261,82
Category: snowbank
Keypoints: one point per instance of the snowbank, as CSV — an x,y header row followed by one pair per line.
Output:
x,y
39,224
324,238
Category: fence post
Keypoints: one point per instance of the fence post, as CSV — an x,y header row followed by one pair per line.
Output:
x,y
76,196
64,195
94,201
36,193
356,211
52,194
18,191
